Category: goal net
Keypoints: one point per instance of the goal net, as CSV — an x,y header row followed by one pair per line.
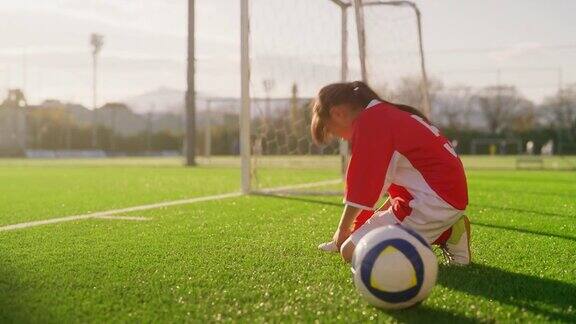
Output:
x,y
389,43
295,48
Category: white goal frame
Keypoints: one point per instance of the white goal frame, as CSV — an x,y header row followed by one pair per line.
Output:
x,y
344,5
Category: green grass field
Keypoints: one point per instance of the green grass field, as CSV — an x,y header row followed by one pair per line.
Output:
x,y
254,258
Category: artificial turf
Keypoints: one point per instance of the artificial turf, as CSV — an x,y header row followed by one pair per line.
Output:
x,y
43,189
254,258
40,192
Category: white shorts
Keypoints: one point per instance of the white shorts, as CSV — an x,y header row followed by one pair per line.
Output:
x,y
417,221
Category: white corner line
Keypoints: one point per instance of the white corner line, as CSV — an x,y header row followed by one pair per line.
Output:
x,y
108,213
117,211
302,186
130,218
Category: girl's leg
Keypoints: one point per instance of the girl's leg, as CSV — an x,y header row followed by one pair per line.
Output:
x,y
379,219
456,245
364,216
347,250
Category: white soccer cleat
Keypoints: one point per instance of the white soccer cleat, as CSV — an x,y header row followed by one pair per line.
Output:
x,y
328,247
456,250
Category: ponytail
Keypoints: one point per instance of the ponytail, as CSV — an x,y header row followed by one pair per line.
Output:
x,y
358,94
364,94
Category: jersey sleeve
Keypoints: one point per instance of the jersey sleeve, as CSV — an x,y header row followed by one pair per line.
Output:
x,y
372,149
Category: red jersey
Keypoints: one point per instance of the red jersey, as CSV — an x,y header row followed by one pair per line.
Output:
x,y
399,153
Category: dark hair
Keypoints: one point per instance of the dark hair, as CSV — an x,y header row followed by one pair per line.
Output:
x,y
357,94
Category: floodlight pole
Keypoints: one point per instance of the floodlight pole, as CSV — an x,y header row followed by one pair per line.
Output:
x,y
426,105
268,85
208,130
245,145
149,132
97,41
190,99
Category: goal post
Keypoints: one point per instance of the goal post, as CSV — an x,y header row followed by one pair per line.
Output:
x,y
344,147
289,50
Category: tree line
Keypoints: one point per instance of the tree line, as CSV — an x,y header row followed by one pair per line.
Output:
x,y
281,125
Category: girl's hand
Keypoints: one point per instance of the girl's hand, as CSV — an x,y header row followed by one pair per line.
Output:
x,y
345,227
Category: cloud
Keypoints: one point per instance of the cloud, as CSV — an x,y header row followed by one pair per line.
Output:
x,y
118,14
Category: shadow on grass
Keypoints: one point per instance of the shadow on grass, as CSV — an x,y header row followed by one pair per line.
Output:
x,y
550,298
519,178
526,192
526,231
302,199
508,228
425,314
522,210
12,308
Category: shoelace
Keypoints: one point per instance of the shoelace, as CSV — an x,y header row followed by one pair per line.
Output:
x,y
447,255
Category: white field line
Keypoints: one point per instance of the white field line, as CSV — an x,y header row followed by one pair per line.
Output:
x,y
108,213
117,211
130,218
301,186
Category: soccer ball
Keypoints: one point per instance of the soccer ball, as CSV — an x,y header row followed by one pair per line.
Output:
x,y
394,267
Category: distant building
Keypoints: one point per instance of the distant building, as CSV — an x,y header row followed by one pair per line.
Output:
x,y
13,133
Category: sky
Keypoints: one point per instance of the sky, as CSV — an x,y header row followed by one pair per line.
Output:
x,y
44,45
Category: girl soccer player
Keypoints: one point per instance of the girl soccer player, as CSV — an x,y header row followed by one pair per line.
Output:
x,y
395,150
